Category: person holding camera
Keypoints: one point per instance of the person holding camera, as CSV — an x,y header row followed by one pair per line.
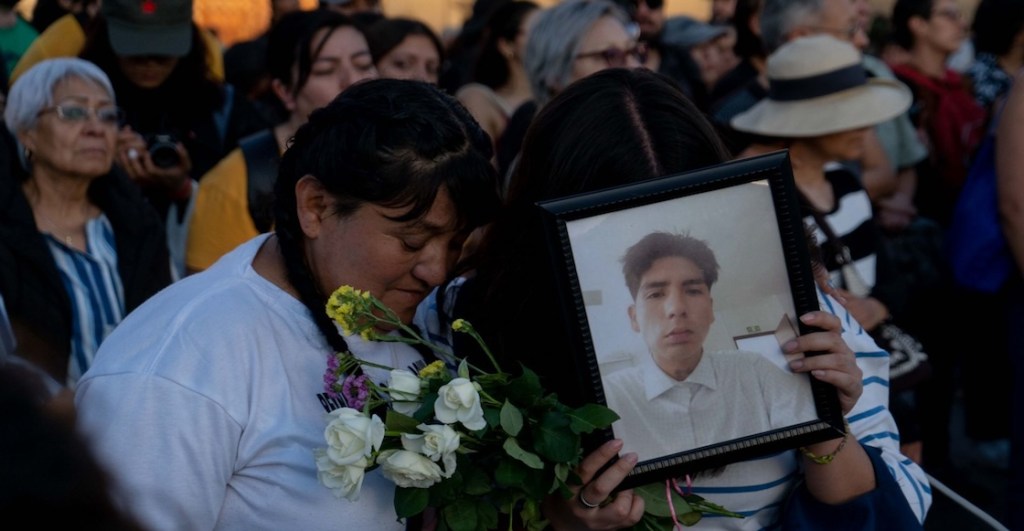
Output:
x,y
180,119
79,245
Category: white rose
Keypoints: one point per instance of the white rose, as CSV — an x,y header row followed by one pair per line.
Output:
x,y
344,480
408,469
352,436
437,443
459,400
405,391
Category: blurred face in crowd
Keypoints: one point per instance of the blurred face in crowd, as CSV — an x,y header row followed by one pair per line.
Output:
x,y
279,8
356,6
415,57
722,10
673,310
78,134
711,60
840,19
516,49
650,16
945,30
344,60
845,145
147,71
606,45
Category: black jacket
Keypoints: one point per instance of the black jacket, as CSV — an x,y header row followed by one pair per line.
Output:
x,y
37,303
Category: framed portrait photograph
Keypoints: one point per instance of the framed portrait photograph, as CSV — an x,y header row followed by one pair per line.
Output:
x,y
682,291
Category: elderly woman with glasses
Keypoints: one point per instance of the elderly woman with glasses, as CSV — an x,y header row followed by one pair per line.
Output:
x,y
568,42
79,246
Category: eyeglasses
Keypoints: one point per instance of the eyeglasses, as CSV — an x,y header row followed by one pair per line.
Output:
x,y
950,13
76,113
617,57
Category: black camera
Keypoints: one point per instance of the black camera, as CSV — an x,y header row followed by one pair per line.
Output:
x,y
163,150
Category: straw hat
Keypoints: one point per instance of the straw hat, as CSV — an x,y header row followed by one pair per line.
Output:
x,y
818,86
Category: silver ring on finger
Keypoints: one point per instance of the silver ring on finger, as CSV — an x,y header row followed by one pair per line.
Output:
x,y
585,503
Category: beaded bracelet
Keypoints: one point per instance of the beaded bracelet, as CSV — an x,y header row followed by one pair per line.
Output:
x,y
826,459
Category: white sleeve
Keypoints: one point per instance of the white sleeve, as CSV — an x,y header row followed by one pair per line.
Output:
x,y
871,422
171,452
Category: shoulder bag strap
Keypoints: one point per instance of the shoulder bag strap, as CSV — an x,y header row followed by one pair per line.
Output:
x,y
851,277
261,161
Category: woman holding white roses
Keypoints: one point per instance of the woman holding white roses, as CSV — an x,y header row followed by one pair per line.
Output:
x,y
619,126
206,405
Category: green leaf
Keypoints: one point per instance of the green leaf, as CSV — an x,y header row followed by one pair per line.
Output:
x,y
690,518
461,515
463,369
515,451
449,489
410,501
591,417
510,473
426,411
511,419
492,416
525,390
396,421
486,515
531,516
554,440
656,504
538,483
476,481
562,472
708,507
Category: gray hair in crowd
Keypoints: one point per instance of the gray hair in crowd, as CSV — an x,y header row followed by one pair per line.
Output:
x,y
780,17
33,91
554,39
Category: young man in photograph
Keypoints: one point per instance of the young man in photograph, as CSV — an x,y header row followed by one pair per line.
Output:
x,y
680,397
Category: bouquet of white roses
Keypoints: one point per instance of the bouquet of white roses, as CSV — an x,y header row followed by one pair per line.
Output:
x,y
478,446
475,444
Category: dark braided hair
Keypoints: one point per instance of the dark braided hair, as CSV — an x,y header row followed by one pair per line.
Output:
x,y
393,143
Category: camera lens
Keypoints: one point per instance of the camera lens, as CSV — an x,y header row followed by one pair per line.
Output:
x,y
163,151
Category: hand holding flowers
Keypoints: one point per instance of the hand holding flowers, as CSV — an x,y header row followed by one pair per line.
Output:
x,y
479,446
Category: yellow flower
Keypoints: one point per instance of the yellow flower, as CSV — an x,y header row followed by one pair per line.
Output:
x,y
432,370
460,325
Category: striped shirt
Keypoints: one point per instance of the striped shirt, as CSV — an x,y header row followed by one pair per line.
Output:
x,y
94,288
851,218
758,487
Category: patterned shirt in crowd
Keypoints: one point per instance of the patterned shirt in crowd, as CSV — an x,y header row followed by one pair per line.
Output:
x,y
94,287
989,81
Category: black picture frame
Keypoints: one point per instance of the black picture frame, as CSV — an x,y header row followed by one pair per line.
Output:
x,y
747,211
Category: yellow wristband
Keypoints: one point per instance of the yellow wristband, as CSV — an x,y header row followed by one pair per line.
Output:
x,y
826,459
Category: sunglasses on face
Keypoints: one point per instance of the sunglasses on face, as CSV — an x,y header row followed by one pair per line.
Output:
x,y
617,57
113,116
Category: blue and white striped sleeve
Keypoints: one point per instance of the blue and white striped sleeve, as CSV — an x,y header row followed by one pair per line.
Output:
x,y
870,420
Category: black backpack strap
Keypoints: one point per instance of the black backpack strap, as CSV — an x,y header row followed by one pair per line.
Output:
x,y
261,161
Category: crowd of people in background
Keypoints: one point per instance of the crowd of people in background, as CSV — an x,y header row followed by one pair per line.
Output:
x,y
138,152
